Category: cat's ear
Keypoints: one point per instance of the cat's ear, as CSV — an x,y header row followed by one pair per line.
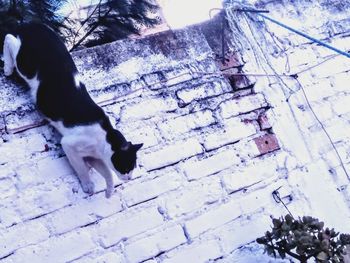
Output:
x,y
137,147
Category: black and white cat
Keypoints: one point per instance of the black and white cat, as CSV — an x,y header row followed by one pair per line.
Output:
x,y
88,138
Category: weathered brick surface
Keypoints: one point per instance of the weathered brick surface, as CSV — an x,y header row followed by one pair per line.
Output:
x,y
187,123
235,107
138,192
151,246
124,225
213,218
31,233
196,252
192,197
58,249
203,190
172,154
232,133
210,165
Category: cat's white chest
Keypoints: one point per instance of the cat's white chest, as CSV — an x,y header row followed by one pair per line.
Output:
x,y
33,84
88,140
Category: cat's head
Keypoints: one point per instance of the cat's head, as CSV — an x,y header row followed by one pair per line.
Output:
x,y
124,159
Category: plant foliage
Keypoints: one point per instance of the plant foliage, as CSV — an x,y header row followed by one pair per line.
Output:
x,y
108,20
111,20
14,12
303,239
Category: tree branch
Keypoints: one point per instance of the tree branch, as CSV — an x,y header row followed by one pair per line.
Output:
x,y
92,29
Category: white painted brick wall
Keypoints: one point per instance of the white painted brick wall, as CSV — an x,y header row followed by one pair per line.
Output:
x,y
196,252
203,191
231,133
57,249
138,192
194,196
31,232
188,95
248,175
108,257
146,109
151,246
114,229
171,154
213,164
215,217
184,124
235,107
86,210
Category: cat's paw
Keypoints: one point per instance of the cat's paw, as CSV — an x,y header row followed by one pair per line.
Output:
x,y
88,188
109,192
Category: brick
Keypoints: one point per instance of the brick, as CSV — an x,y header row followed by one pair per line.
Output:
x,y
264,122
179,79
108,257
231,61
241,105
267,143
7,188
339,82
232,133
9,215
196,252
332,67
214,218
45,170
171,154
6,171
242,231
125,225
177,76
31,232
87,210
253,173
320,90
341,105
240,81
56,249
338,129
184,124
28,145
220,161
301,57
323,111
43,199
148,108
142,134
154,80
153,245
199,193
187,95
138,191
254,200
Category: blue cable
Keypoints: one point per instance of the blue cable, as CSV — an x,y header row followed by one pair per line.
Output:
x,y
307,36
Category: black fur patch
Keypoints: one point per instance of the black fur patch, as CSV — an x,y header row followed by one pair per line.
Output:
x,y
42,53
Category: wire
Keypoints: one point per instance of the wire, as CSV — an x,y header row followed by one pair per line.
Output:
x,y
306,36
277,197
323,128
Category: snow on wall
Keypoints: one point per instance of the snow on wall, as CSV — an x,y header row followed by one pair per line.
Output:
x,y
216,147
